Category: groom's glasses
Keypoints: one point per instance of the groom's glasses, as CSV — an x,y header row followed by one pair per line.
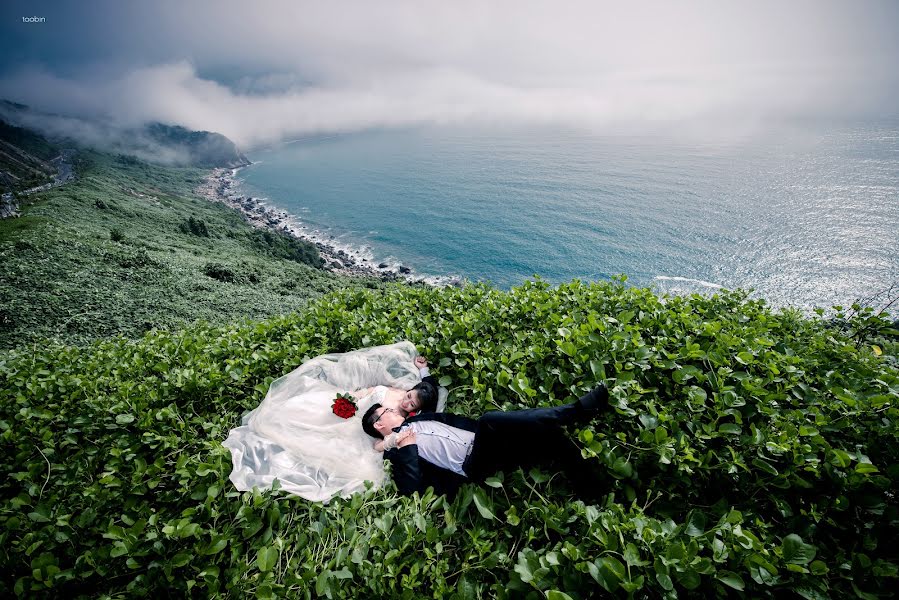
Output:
x,y
383,412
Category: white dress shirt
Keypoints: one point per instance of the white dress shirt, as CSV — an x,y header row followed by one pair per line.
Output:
x,y
442,445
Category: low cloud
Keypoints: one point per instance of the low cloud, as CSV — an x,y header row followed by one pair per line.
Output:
x,y
700,67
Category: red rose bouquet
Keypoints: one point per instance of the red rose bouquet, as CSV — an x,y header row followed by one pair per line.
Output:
x,y
344,406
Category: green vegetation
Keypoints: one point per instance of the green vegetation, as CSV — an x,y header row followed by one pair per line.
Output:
x,y
195,226
197,148
751,453
126,248
23,158
28,141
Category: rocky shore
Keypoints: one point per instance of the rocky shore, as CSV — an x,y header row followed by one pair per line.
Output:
x,y
220,186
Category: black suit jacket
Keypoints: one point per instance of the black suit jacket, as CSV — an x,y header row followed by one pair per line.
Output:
x,y
411,473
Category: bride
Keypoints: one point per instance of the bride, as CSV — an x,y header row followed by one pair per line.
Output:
x,y
294,436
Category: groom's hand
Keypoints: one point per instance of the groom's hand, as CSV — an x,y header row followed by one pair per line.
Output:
x,y
406,438
421,362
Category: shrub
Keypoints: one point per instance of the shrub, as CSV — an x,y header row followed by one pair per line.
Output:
x,y
116,235
220,272
281,245
750,453
194,226
128,160
138,259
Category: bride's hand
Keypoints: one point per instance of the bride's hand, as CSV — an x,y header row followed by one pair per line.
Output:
x,y
406,438
421,362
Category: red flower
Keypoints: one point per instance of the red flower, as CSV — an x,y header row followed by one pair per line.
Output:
x,y
344,406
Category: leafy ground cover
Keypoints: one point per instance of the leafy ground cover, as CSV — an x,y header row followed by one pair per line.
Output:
x,y
127,248
751,453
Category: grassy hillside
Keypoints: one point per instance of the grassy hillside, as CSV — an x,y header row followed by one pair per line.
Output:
x,y
23,158
751,453
127,248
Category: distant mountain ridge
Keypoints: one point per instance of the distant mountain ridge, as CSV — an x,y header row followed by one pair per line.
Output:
x,y
204,148
158,143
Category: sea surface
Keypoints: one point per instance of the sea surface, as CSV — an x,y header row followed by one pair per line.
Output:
x,y
804,216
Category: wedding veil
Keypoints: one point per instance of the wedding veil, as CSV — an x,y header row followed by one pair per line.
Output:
x,y
294,437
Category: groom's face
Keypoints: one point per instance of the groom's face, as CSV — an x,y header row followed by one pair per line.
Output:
x,y
386,420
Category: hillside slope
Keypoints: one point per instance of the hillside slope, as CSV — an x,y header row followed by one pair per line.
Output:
x,y
128,247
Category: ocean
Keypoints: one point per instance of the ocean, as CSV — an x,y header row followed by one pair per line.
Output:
x,y
803,216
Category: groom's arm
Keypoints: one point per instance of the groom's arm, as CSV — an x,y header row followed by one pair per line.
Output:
x,y
406,469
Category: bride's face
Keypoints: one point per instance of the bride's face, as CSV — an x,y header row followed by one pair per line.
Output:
x,y
410,401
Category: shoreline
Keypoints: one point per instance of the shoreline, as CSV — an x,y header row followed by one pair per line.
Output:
x,y
220,186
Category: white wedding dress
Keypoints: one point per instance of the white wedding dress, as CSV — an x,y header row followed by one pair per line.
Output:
x,y
293,435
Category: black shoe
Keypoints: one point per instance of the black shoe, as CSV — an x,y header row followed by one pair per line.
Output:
x,y
596,400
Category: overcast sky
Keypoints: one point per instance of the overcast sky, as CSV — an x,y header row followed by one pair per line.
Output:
x,y
264,70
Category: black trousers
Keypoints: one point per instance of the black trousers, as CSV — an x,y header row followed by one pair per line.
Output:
x,y
505,441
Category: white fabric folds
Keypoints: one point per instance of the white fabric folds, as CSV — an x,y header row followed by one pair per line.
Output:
x,y
293,435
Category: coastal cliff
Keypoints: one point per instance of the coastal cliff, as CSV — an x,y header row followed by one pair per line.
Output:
x,y
198,148
41,134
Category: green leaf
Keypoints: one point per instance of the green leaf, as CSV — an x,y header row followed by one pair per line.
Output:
x,y
731,579
568,348
219,544
181,559
445,381
483,505
797,552
622,468
557,595
665,581
688,578
661,434
648,421
730,429
818,568
266,558
764,466
632,556
696,522
611,572
841,458
744,358
124,419
420,522
866,468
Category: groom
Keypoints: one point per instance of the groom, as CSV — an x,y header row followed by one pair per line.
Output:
x,y
444,450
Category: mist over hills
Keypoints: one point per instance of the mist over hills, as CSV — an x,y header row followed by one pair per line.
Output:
x,y
157,143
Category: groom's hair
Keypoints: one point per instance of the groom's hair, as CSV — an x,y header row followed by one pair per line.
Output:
x,y
428,396
368,422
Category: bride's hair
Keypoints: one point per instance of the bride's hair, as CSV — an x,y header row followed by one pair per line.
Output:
x,y
368,420
427,394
